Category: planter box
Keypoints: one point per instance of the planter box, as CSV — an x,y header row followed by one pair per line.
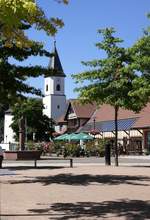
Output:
x,y
22,155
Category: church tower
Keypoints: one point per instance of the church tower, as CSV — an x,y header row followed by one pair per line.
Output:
x,y
54,88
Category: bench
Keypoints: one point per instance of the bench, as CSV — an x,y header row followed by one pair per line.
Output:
x,y
54,158
42,159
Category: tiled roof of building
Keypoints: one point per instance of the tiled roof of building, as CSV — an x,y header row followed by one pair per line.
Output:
x,y
80,110
83,110
106,113
144,119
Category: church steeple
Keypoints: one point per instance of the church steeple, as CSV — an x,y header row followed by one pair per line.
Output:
x,y
54,88
55,63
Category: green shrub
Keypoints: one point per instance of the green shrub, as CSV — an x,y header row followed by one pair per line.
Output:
x,y
101,147
71,149
30,145
90,148
96,147
147,152
58,147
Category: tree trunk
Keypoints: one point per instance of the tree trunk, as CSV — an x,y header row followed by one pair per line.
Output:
x,y
116,136
22,133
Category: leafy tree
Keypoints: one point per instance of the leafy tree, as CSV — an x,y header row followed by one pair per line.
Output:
x,y
13,77
140,53
110,80
13,85
36,122
17,16
15,12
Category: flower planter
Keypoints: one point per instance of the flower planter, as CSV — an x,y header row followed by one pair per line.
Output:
x,y
22,155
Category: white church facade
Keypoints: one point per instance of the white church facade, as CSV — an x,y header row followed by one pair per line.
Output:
x,y
8,132
54,100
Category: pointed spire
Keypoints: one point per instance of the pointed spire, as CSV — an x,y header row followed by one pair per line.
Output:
x,y
55,63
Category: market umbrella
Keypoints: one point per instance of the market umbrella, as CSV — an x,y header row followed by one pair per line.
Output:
x,y
71,137
81,136
61,137
65,137
74,137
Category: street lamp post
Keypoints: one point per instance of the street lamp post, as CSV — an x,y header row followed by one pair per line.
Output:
x,y
94,123
94,126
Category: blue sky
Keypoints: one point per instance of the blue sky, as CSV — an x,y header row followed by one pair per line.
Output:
x,y
82,18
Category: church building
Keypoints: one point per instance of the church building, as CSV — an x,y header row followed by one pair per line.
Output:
x,y
54,89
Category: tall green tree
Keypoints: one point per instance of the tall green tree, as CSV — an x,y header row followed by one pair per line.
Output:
x,y
110,80
15,12
35,122
140,53
13,77
17,16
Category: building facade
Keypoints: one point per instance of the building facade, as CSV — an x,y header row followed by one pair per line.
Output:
x,y
8,131
54,89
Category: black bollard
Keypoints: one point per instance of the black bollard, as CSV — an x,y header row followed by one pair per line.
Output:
x,y
1,161
107,154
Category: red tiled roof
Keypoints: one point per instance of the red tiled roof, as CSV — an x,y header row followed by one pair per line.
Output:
x,y
83,110
80,110
107,113
144,119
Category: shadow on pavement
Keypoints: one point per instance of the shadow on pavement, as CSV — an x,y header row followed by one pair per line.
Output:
x,y
130,209
85,179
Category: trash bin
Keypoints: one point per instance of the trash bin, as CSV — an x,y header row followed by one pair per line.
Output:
x,y
107,154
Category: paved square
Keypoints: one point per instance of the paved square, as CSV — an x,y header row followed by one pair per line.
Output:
x,y
83,192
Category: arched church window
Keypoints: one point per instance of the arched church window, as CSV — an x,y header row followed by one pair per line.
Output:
x,y
58,87
58,106
46,88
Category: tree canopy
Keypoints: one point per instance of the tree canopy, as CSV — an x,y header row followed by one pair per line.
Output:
x,y
17,16
14,13
140,53
13,77
36,122
111,80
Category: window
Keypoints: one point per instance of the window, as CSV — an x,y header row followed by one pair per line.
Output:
x,y
58,106
58,87
46,88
